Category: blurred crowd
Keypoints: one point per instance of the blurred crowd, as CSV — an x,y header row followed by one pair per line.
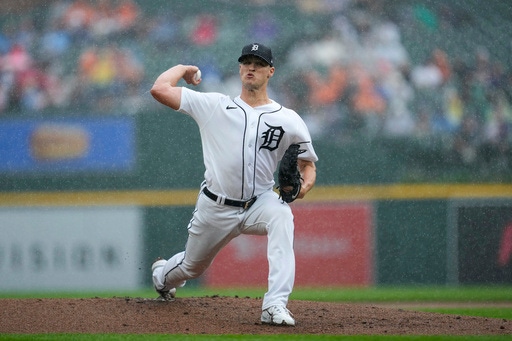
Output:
x,y
358,79
343,66
36,55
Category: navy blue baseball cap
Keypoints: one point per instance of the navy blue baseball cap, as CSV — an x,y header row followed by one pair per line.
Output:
x,y
258,50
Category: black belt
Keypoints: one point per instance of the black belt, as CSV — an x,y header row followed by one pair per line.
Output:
x,y
243,204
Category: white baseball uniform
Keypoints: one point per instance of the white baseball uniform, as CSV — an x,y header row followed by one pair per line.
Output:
x,y
242,147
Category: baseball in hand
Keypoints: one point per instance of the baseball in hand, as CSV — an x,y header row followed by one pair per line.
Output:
x,y
197,76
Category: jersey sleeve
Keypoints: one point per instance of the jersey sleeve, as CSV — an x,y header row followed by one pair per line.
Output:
x,y
303,137
199,105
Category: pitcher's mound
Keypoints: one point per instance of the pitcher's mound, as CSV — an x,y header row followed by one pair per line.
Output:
x,y
228,315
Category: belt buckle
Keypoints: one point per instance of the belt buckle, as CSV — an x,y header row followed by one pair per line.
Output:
x,y
249,203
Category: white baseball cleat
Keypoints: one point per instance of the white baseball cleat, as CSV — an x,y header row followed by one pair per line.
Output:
x,y
165,295
277,315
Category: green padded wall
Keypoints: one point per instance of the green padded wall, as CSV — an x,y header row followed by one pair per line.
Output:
x,y
411,248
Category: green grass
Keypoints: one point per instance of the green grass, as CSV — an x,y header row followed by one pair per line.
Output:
x,y
503,313
466,294
377,294
409,294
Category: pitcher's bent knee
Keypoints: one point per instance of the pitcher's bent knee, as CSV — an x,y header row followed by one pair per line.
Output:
x,y
193,271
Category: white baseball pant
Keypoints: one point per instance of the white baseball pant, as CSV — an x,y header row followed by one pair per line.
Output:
x,y
213,226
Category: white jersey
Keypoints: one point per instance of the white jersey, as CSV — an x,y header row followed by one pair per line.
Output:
x,y
242,145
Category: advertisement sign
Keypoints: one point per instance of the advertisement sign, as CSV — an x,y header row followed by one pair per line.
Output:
x,y
67,145
333,247
48,249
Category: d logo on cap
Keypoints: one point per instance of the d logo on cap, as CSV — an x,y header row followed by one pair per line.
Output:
x,y
258,50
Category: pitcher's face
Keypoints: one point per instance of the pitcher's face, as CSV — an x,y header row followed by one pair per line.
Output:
x,y
255,72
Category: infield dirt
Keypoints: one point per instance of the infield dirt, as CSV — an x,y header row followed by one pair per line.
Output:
x,y
229,315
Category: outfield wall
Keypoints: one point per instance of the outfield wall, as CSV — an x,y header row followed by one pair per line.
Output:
x,y
71,174
345,236
161,150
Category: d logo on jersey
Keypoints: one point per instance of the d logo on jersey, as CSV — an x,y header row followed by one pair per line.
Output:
x,y
272,137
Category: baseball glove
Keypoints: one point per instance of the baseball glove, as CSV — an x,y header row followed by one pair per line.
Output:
x,y
289,175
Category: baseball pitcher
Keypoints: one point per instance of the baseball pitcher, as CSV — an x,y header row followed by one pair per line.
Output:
x,y
243,141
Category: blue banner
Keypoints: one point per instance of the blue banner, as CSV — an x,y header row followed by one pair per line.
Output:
x,y
67,145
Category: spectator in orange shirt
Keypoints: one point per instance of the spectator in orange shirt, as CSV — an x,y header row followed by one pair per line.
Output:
x,y
127,13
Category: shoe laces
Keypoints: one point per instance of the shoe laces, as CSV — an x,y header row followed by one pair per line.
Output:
x,y
279,309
